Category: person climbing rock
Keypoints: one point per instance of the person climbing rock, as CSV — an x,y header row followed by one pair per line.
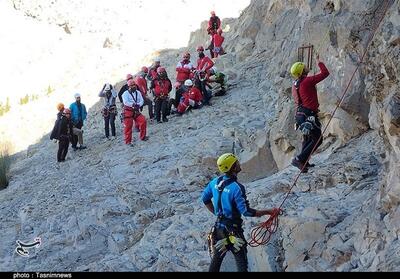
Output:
x,y
218,40
64,134
133,101
304,92
226,198
53,134
78,117
140,80
124,88
162,86
109,110
214,24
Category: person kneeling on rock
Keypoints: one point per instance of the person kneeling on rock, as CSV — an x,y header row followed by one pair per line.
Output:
x,y
192,98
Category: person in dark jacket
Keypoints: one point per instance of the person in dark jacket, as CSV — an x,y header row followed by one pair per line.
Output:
x,y
64,134
305,94
226,198
161,86
53,134
109,110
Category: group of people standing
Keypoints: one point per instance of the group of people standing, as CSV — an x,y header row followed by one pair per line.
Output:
x,y
152,87
68,127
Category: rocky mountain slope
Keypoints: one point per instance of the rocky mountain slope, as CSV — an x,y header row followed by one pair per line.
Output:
x,y
114,208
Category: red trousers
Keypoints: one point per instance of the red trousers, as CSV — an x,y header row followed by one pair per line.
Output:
x,y
140,123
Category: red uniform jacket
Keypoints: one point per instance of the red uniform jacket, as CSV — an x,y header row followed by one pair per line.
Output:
x,y
195,95
183,69
308,90
142,85
218,40
162,87
204,64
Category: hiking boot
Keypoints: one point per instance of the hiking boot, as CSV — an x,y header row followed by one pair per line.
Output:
x,y
82,147
310,165
165,120
113,138
74,148
159,122
146,138
298,164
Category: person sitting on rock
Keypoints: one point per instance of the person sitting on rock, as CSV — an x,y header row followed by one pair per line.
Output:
x,y
226,198
213,25
64,134
217,78
304,92
201,83
161,86
133,101
109,110
140,80
192,98
218,40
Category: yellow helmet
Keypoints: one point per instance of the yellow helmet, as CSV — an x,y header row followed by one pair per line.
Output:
x,y
60,107
226,161
297,69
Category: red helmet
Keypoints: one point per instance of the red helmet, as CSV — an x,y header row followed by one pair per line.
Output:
x,y
200,48
131,82
145,69
213,13
219,31
186,55
129,76
161,70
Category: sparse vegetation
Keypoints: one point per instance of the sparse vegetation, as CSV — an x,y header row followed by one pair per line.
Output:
x,y
5,108
5,162
27,99
49,91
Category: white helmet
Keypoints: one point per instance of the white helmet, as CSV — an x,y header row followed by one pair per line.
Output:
x,y
77,95
188,83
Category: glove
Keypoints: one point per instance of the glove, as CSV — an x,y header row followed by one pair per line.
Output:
x,y
306,128
236,242
192,103
221,246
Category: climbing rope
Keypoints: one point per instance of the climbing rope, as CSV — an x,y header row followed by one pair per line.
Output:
x,y
261,235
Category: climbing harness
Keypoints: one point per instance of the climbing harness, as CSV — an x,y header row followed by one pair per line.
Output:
x,y
261,235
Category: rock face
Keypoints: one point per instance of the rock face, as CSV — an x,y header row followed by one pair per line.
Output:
x,y
114,208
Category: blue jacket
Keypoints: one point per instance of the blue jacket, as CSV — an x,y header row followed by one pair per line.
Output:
x,y
76,115
234,201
